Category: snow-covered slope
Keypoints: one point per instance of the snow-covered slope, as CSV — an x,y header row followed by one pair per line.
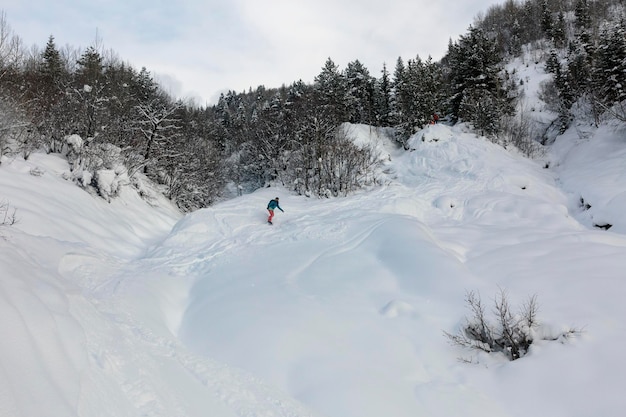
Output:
x,y
338,310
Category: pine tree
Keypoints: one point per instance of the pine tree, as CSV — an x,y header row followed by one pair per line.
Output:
x,y
52,66
383,99
143,87
515,47
581,13
530,22
50,114
120,103
224,123
558,33
547,22
408,92
330,88
90,67
553,62
475,81
579,67
86,95
397,91
610,68
359,98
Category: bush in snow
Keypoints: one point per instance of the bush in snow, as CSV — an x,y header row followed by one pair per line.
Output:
x,y
97,165
16,133
7,214
511,333
107,183
520,132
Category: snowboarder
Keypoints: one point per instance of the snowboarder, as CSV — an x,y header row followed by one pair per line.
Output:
x,y
273,204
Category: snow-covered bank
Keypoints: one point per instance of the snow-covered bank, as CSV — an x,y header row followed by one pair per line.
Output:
x,y
337,310
591,165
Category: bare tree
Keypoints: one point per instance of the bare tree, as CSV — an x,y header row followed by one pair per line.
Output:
x,y
156,125
10,47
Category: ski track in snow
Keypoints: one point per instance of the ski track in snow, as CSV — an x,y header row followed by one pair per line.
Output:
x,y
239,392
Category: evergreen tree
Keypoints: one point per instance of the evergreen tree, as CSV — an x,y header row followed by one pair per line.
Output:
x,y
298,101
559,31
272,137
397,91
90,67
408,91
359,98
610,69
50,113
582,17
143,87
330,90
562,95
87,94
553,62
579,67
475,69
52,65
419,92
120,104
224,123
530,22
547,22
383,99
515,47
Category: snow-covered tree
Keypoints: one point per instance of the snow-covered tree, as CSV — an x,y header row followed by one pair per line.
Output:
x,y
475,74
382,98
610,69
330,90
420,94
559,30
359,99
582,16
87,96
397,91
547,21
157,125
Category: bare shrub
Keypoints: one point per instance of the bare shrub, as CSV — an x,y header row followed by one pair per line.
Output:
x,y
519,131
7,214
511,333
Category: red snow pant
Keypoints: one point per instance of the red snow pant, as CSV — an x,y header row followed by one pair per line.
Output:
x,y
269,219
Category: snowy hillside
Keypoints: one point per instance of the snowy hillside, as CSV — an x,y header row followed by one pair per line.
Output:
x,y
339,309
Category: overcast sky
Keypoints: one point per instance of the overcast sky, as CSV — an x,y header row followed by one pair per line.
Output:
x,y
199,48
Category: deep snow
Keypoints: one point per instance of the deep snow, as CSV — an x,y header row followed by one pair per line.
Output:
x,y
130,309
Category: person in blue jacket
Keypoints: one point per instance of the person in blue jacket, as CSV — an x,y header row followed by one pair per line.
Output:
x,y
273,204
